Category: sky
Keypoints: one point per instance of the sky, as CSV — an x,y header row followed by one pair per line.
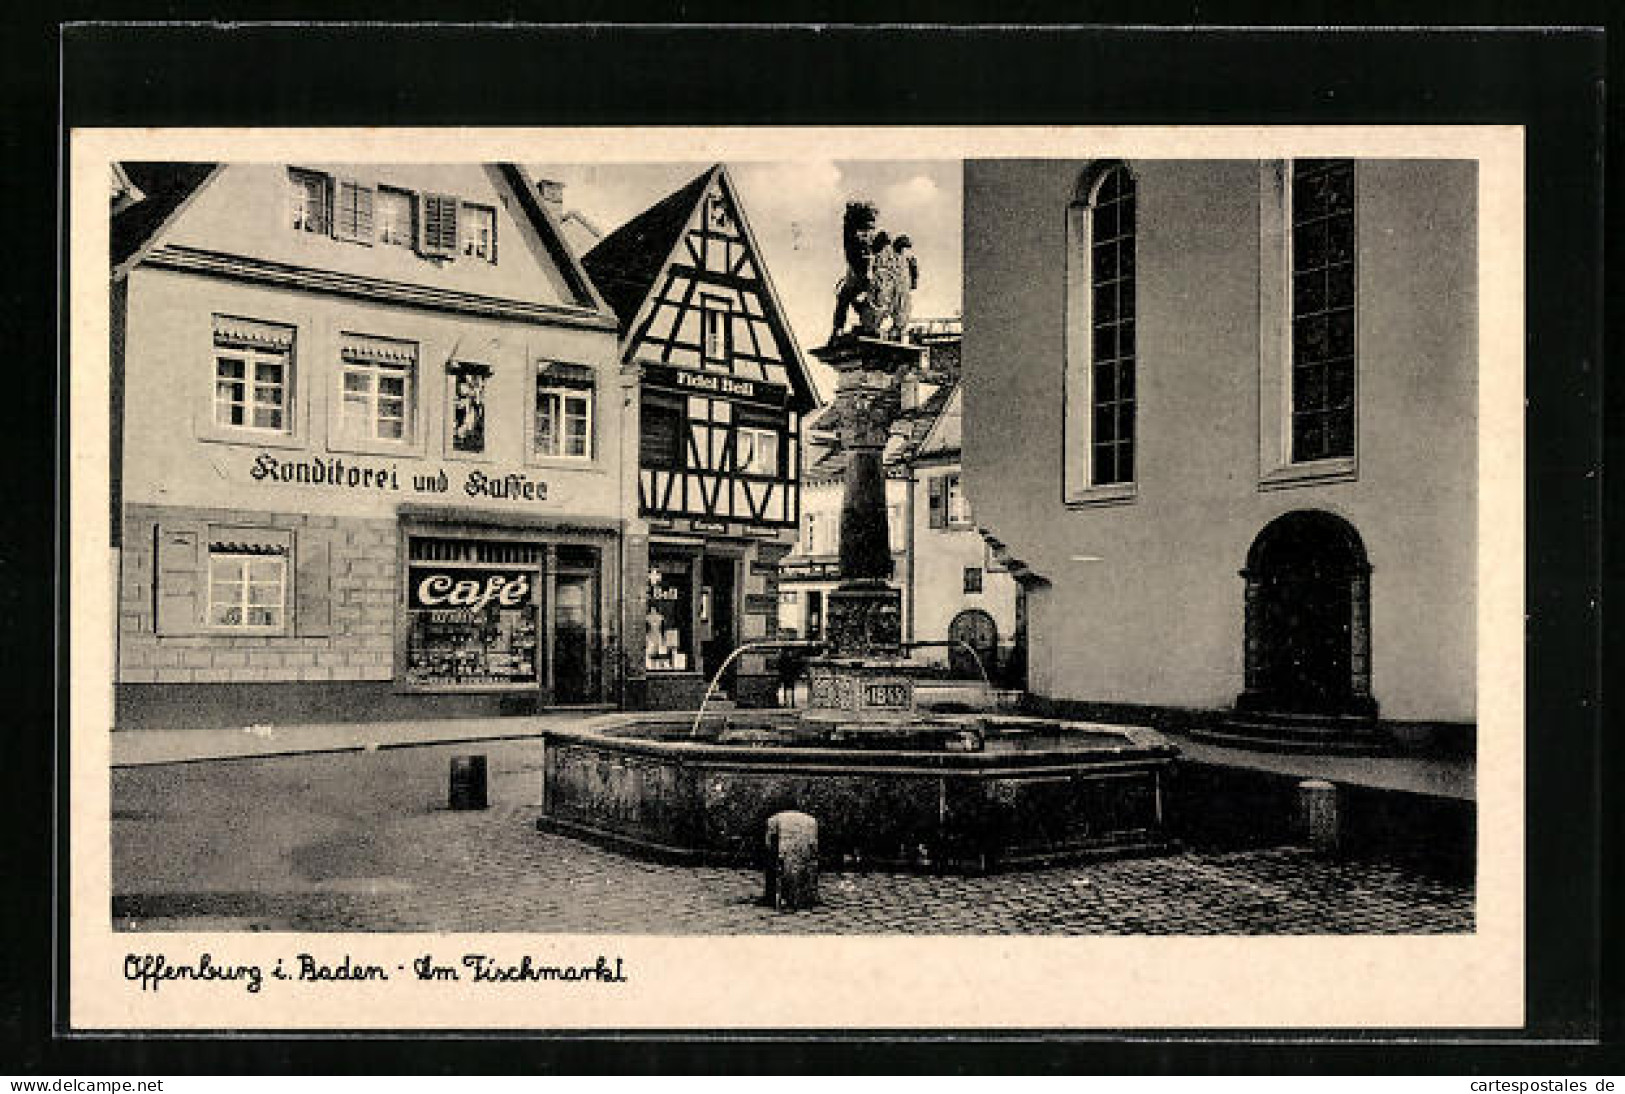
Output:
x,y
794,209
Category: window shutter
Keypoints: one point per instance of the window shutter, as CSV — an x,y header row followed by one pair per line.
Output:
x,y
312,584
180,577
353,216
439,225
939,501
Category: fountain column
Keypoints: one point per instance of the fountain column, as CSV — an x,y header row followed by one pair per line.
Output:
x,y
860,677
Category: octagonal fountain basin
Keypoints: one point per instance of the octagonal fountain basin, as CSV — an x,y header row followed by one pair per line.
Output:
x,y
967,793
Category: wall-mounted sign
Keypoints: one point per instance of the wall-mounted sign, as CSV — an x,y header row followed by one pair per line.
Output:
x,y
470,590
808,569
715,527
710,383
336,472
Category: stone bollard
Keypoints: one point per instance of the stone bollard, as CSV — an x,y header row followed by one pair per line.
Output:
x,y
467,782
792,861
1317,812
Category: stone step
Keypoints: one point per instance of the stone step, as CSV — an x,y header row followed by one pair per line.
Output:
x,y
1274,738
1305,731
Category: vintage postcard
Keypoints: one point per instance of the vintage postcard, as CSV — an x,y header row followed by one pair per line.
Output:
x,y
789,579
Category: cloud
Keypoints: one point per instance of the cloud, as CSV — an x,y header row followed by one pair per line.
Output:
x,y
913,193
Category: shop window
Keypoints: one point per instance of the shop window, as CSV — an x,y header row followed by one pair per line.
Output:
x,y
477,226
248,588
253,375
958,504
758,451
562,421
352,211
396,220
310,201
669,641
379,381
472,614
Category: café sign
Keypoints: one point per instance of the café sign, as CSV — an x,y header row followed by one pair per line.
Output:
x,y
470,591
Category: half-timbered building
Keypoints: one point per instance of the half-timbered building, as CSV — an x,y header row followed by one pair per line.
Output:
x,y
721,395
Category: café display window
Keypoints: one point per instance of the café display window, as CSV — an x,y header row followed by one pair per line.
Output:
x,y
669,643
473,612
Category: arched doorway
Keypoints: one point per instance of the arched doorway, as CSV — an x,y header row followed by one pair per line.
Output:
x,y
1308,613
976,629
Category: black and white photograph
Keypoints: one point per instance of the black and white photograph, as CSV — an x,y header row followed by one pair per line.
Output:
x,y
760,542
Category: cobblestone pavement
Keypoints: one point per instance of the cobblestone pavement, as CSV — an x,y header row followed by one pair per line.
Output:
x,y
363,841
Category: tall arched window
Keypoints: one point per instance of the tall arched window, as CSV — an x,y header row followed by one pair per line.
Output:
x,y
1322,310
1100,384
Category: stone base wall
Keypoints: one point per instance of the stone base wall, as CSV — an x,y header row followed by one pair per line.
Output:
x,y
360,576
237,706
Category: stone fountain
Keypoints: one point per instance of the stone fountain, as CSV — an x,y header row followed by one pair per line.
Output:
x,y
889,786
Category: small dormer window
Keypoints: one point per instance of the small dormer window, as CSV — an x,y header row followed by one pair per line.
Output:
x,y
310,201
395,219
478,226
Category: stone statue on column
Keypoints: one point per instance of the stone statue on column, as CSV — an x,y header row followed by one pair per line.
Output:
x,y
881,274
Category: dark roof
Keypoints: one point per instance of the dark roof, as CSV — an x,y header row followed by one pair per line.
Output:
x,y
827,459
625,263
165,186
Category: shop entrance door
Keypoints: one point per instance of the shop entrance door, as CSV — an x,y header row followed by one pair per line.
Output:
x,y
575,629
717,618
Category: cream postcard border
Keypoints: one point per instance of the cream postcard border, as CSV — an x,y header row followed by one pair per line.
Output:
x,y
1471,980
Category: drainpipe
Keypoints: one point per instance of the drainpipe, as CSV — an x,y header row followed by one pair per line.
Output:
x,y
908,552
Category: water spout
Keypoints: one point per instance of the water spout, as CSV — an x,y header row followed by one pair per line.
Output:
x,y
981,667
716,677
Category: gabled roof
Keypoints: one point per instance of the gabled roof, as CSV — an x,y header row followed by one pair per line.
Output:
x,y
564,257
827,459
942,440
165,188
168,187
625,264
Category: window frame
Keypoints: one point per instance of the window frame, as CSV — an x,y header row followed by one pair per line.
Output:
x,y
408,198
1276,467
340,436
206,423
375,372
721,307
245,599
323,182
563,389
1079,396
252,358
756,432
465,222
